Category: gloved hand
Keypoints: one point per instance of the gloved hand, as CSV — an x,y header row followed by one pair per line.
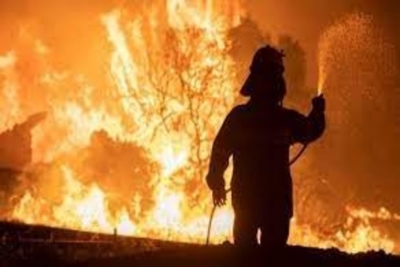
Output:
x,y
318,103
219,197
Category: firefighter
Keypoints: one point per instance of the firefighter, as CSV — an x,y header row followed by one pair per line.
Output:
x,y
258,136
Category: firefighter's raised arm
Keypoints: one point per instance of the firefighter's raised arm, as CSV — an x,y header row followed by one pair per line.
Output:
x,y
308,129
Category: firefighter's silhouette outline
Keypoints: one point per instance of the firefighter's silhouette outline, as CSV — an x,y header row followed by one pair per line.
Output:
x,y
258,136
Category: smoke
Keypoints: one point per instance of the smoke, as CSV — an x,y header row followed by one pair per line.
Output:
x,y
360,67
307,20
354,45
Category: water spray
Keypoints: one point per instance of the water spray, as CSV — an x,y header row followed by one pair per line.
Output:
x,y
322,67
321,82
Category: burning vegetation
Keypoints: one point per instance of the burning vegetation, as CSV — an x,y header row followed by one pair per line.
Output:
x,y
129,150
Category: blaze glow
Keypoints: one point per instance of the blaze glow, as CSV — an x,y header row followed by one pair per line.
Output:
x,y
171,82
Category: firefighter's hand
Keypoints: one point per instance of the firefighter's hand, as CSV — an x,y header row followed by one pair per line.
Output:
x,y
219,197
318,103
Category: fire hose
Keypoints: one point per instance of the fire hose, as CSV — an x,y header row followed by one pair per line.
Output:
x,y
291,162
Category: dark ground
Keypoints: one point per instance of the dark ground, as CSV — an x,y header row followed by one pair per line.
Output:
x,y
22,245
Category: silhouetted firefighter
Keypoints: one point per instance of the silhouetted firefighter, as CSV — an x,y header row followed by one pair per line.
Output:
x,y
258,135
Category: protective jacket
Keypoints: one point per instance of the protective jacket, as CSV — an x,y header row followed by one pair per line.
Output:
x,y
258,138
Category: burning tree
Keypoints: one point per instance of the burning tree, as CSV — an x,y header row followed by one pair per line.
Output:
x,y
171,84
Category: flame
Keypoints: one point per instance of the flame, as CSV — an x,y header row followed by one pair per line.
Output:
x,y
358,234
170,83
165,95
